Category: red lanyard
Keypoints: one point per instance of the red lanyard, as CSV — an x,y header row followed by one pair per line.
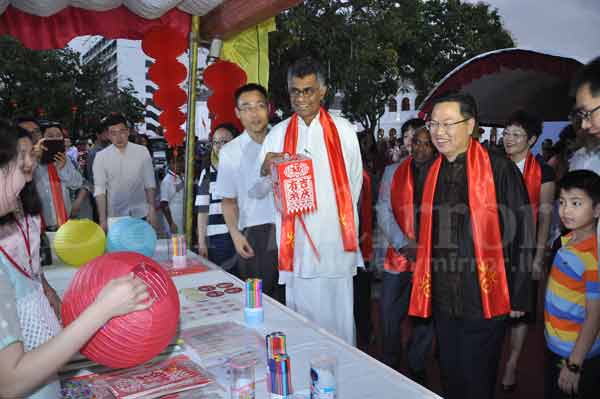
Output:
x,y
26,238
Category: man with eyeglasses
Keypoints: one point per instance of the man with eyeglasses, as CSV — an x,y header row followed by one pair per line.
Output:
x,y
124,182
320,287
397,207
474,251
250,220
587,115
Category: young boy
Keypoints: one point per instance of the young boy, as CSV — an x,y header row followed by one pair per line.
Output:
x,y
171,193
572,308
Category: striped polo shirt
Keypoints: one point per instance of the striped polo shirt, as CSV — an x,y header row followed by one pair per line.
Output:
x,y
207,202
573,280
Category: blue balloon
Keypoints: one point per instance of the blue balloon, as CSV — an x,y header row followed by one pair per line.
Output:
x,y
131,234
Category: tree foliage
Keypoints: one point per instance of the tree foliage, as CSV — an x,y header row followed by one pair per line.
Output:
x,y
368,46
55,85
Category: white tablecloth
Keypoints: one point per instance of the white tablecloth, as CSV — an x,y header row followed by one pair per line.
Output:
x,y
359,375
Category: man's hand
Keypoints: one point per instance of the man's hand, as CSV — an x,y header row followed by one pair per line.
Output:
x,y
74,212
243,248
152,217
202,248
60,159
173,227
568,381
265,169
410,250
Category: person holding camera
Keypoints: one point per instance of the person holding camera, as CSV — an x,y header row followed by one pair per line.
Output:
x,y
54,177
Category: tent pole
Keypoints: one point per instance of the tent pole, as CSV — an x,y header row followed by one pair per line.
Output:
x,y
190,153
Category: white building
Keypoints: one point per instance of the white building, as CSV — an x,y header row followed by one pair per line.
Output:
x,y
127,64
399,109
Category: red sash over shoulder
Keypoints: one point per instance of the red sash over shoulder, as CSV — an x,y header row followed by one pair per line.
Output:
x,y
366,218
487,240
57,196
532,174
341,185
402,200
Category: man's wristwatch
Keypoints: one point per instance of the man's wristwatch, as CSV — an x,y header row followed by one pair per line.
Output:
x,y
572,367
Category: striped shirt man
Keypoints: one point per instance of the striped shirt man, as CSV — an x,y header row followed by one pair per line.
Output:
x,y
572,281
207,202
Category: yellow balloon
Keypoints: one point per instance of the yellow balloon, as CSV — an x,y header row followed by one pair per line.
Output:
x,y
79,241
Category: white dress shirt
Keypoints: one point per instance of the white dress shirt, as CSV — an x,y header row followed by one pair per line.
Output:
x,y
124,177
238,170
323,224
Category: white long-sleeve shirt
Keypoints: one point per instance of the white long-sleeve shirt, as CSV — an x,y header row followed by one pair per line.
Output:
x,y
323,224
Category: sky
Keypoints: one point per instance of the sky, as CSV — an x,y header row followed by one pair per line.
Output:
x,y
562,27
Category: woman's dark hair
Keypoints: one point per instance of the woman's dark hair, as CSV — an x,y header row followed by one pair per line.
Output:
x,y
230,127
30,200
8,143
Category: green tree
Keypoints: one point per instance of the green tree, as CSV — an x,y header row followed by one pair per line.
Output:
x,y
54,85
368,46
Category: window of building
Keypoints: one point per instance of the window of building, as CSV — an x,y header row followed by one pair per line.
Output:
x,y
393,105
405,104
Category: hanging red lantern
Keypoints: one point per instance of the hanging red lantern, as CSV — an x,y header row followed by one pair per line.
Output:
x,y
223,78
165,44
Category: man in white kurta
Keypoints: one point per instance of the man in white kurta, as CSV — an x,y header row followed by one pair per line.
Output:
x,y
320,289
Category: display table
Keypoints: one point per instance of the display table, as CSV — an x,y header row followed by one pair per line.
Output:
x,y
359,375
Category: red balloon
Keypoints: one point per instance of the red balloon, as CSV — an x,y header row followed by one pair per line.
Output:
x,y
135,338
164,41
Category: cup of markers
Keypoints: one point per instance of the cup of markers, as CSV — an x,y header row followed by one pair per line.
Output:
x,y
178,250
279,376
253,309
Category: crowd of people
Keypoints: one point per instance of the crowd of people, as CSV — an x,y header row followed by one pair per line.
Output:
x,y
474,232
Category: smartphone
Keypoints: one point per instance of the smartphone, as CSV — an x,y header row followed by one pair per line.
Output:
x,y
53,147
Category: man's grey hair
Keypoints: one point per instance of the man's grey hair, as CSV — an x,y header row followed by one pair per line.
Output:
x,y
306,66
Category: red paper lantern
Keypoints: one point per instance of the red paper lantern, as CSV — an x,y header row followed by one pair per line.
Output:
x,y
164,97
167,72
164,41
223,78
135,338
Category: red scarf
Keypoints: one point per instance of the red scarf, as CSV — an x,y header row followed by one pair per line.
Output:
x,y
487,239
402,198
339,177
57,196
532,174
366,218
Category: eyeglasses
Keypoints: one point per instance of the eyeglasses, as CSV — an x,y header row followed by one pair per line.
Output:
x,y
306,92
509,134
118,131
251,107
220,142
433,126
583,115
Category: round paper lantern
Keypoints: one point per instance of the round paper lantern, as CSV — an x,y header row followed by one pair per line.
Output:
x,y
79,241
131,234
134,338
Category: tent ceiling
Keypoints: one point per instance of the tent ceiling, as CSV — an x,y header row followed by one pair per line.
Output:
x,y
149,9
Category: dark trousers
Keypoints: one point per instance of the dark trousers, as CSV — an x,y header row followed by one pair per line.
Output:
x,y
589,380
469,355
362,305
221,251
264,263
395,298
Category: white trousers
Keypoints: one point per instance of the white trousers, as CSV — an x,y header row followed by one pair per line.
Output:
x,y
328,302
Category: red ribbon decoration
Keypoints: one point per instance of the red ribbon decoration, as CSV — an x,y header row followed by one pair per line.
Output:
x,y
532,175
340,183
366,218
402,198
487,240
57,196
